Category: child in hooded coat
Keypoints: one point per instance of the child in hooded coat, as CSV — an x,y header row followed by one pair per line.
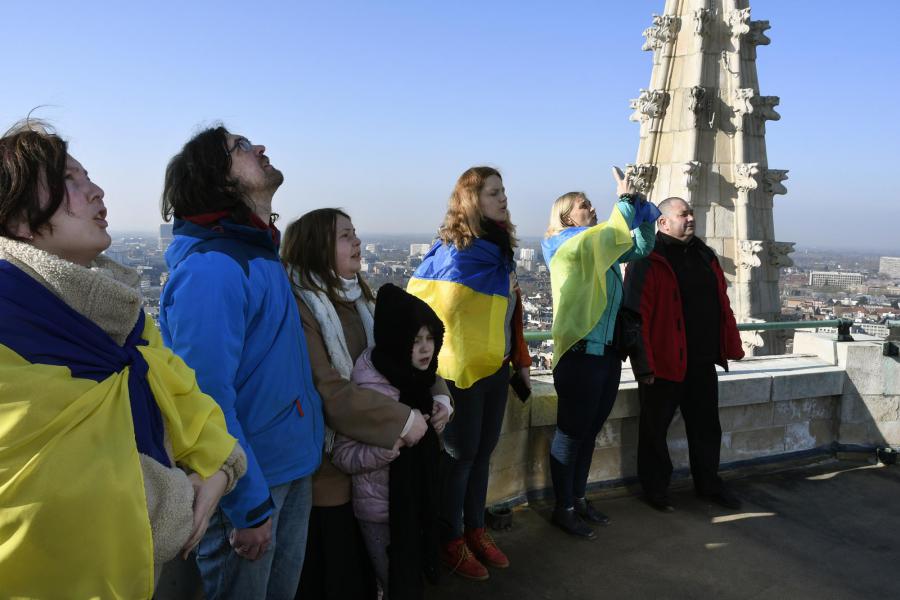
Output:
x,y
395,491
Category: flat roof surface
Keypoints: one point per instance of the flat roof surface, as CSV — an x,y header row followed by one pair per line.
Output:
x,y
829,530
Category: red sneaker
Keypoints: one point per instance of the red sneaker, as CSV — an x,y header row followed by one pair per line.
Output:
x,y
456,555
484,547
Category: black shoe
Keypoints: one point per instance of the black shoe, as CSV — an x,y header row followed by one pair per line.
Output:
x,y
568,521
724,498
586,510
660,502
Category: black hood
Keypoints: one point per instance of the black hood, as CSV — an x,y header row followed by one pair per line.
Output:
x,y
398,318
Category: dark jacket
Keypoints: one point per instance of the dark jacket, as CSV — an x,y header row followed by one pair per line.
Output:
x,y
653,319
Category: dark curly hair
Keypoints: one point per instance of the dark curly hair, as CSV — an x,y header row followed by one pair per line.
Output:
x,y
32,163
198,182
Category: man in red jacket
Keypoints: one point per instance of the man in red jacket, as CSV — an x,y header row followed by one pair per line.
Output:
x,y
680,326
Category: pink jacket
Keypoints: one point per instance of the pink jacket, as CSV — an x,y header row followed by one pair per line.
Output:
x,y
368,466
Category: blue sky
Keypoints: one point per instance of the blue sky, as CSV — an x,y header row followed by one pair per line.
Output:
x,y
378,106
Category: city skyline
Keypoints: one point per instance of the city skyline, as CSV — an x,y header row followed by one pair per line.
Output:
x,y
378,108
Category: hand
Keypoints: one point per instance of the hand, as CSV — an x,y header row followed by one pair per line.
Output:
x,y
623,183
252,543
646,379
418,429
525,372
207,493
439,416
397,445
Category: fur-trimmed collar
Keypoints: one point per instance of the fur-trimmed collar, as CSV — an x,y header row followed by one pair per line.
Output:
x,y
107,293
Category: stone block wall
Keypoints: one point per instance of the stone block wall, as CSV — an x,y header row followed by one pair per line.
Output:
x,y
870,406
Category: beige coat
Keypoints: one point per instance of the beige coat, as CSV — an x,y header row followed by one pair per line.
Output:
x,y
362,414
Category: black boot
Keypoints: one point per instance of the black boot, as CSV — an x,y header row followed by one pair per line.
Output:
x,y
586,510
568,521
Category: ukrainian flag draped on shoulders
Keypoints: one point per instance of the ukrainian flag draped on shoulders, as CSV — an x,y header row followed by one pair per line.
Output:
x,y
73,512
469,291
578,258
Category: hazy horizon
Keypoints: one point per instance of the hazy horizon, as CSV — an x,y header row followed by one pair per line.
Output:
x,y
367,237
378,107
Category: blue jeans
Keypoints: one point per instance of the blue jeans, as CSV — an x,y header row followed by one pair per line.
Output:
x,y
469,439
586,387
276,573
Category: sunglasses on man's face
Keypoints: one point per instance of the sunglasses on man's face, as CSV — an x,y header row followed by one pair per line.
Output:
x,y
243,143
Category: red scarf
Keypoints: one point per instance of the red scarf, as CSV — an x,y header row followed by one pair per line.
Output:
x,y
207,219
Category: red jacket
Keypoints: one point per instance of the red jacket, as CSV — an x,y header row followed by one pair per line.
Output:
x,y
653,319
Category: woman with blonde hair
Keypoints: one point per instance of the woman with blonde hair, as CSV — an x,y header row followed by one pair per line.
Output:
x,y
583,257
468,278
97,414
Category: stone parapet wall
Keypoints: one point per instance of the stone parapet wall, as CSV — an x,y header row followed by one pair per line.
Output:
x,y
870,406
770,406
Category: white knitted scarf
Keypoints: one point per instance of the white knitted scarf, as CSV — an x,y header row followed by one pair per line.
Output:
x,y
330,325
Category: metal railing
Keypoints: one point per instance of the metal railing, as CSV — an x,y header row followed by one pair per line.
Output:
x,y
842,325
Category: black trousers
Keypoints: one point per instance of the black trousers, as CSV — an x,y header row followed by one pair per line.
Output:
x,y
337,565
698,398
469,440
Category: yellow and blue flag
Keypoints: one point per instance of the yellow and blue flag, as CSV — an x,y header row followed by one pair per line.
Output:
x,y
73,513
578,258
469,290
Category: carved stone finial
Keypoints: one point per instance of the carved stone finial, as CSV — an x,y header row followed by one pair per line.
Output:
x,y
701,17
691,170
757,34
651,104
745,176
742,105
778,254
700,104
764,110
663,31
698,100
748,254
739,22
772,181
641,176
751,340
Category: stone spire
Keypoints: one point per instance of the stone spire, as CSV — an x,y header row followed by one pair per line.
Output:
x,y
703,125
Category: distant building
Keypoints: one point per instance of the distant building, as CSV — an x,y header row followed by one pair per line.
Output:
x,y
117,252
165,236
419,249
834,278
371,248
875,329
890,266
526,254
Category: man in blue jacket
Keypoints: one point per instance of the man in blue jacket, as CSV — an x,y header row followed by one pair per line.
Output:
x,y
228,311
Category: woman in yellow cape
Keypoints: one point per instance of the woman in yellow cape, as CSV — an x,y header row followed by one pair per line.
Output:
x,y
95,413
469,280
583,257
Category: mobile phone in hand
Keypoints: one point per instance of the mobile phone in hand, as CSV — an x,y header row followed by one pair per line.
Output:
x,y
519,386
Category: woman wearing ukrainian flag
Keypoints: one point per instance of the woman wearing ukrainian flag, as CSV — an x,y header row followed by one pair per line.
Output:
x,y
584,257
468,278
95,412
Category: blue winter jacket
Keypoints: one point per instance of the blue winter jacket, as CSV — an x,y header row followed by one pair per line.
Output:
x,y
228,311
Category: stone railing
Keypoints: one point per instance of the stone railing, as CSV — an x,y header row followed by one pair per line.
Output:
x,y
824,396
